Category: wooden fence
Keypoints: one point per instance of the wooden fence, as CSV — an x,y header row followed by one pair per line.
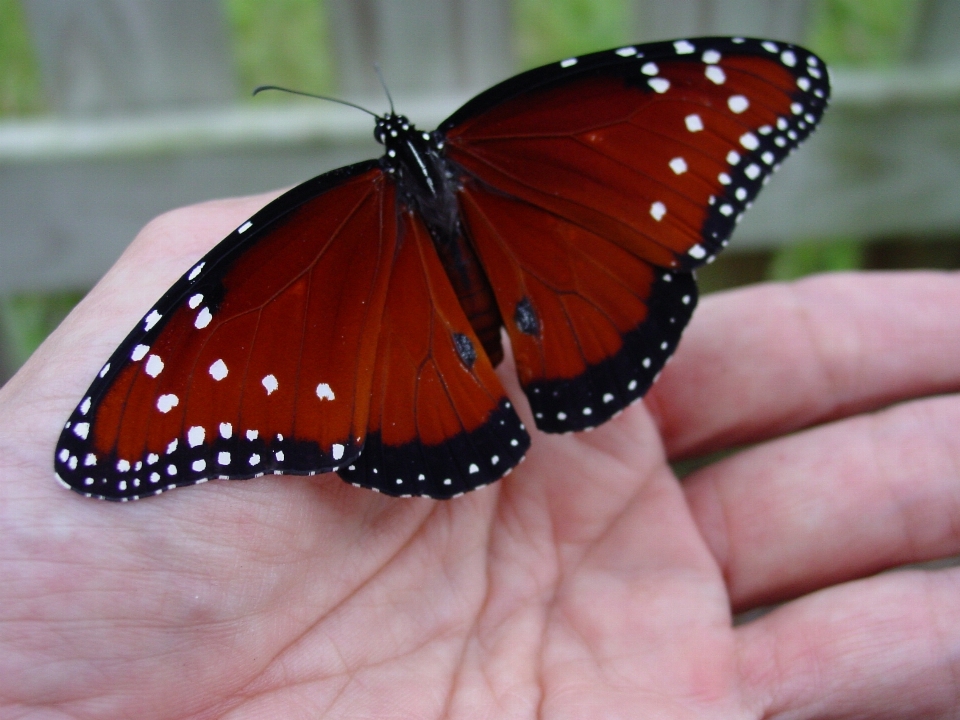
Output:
x,y
145,120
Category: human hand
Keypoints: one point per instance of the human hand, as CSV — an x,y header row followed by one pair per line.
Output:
x,y
588,584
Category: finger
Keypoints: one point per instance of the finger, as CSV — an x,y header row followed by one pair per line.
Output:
x,y
886,647
762,361
837,502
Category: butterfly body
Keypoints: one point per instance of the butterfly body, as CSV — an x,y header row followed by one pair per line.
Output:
x,y
427,184
353,324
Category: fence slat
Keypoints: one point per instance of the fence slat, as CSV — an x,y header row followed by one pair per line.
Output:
x,y
74,192
435,45
781,19
107,56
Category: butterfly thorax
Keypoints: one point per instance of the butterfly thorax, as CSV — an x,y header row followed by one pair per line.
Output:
x,y
427,183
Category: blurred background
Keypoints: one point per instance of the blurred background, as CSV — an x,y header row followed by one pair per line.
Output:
x,y
113,111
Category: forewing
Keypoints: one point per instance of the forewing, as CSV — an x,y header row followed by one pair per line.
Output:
x,y
592,187
658,148
258,360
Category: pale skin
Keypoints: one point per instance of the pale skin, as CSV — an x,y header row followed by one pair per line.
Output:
x,y
591,583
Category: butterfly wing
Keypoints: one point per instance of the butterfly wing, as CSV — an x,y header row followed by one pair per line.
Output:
x,y
259,359
440,422
590,189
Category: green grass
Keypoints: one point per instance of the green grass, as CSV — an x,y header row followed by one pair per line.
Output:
x,y
20,89
545,31
27,318
280,42
866,33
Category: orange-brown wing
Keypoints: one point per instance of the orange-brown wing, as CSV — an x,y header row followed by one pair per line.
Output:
x,y
440,422
658,148
592,187
590,324
259,360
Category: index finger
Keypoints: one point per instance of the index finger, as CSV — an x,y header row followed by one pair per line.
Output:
x,y
769,359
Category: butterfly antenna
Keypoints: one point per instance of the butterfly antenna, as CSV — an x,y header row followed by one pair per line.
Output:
x,y
383,84
318,97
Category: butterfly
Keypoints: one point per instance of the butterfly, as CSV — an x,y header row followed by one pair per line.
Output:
x,y
353,324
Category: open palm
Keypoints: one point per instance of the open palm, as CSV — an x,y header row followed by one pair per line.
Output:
x,y
588,584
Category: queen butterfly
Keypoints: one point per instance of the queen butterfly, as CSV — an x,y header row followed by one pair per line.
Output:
x,y
353,324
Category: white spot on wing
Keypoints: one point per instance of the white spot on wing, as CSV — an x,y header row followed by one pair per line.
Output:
x,y
788,58
733,157
658,210
196,271
154,366
199,465
683,47
246,226
752,171
203,319
697,252
85,406
218,370
660,85
627,51
473,468
710,57
337,451
81,430
226,430
139,352
569,62
172,446
253,434
195,435
165,403
678,165
223,458
150,320
650,68
693,122
324,392
749,141
770,46
738,103
270,383
195,300
715,74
